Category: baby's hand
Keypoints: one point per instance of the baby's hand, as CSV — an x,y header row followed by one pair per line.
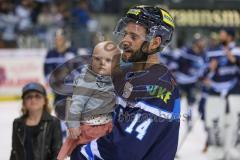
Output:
x,y
74,133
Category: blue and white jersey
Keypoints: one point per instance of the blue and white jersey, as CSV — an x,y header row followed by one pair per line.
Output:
x,y
225,77
169,58
146,121
190,66
53,59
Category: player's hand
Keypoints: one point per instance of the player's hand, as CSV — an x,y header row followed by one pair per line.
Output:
x,y
213,65
230,56
74,133
207,82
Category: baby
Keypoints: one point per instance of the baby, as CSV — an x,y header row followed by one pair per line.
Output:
x,y
90,112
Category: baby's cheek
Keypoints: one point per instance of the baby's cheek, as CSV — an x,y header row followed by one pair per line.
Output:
x,y
109,67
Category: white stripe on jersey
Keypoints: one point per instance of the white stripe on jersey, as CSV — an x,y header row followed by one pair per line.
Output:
x,y
215,53
83,151
223,86
227,70
94,148
156,111
55,60
192,57
236,51
182,78
121,102
153,110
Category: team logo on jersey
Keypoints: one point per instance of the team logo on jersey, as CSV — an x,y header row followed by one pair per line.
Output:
x,y
159,92
127,90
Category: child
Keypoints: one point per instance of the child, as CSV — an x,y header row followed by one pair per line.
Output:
x,y
93,100
36,133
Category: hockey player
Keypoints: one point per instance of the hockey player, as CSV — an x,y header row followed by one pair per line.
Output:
x,y
190,64
220,78
169,56
232,143
212,45
146,123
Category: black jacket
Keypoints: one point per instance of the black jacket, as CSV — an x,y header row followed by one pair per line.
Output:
x,y
46,144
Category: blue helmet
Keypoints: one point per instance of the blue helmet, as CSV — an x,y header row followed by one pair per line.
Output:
x,y
156,20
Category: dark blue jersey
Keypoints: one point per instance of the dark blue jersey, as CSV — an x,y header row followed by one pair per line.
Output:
x,y
146,120
190,66
169,58
225,77
53,59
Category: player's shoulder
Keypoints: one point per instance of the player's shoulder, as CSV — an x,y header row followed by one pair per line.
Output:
x,y
161,82
216,53
52,53
236,51
162,76
72,50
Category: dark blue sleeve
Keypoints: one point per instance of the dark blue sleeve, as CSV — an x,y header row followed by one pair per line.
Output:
x,y
47,66
50,63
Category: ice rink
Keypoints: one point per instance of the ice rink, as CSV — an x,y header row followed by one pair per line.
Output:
x,y
190,150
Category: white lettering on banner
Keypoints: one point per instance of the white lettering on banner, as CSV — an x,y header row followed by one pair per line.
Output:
x,y
206,18
18,67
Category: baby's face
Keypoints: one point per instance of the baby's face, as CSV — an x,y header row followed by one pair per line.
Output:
x,y
101,62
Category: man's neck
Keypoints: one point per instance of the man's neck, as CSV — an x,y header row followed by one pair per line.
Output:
x,y
196,49
61,49
151,60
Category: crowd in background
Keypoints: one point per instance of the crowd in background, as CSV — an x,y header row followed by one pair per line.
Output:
x,y
32,23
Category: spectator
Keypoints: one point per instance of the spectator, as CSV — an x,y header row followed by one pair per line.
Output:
x,y
80,14
8,22
48,21
36,134
57,56
49,16
24,11
81,37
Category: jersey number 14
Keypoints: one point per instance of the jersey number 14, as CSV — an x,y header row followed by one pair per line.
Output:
x,y
141,129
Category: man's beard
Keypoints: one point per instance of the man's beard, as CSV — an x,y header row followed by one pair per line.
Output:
x,y
136,56
224,43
